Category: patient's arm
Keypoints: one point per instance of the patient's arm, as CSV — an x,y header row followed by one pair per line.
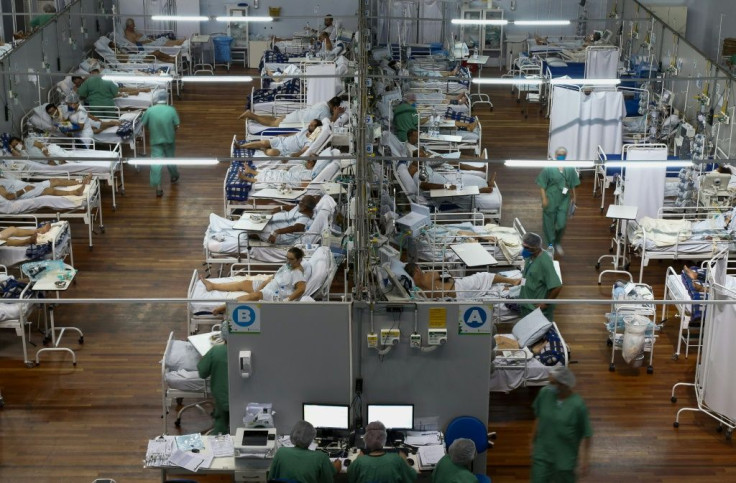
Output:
x,y
299,290
509,281
297,227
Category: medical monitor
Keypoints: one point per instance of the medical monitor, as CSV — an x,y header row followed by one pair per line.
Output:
x,y
393,416
715,181
326,416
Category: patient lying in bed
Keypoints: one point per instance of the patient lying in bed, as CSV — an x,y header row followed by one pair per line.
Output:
x,y
15,189
460,288
14,236
287,284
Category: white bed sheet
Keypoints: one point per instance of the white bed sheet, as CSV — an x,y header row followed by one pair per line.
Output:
x,y
10,313
54,202
11,256
109,135
71,167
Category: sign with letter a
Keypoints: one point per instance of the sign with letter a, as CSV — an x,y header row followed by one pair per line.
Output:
x,y
475,319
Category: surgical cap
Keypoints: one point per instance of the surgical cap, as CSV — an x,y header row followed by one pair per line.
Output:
x,y
532,240
563,375
462,451
375,436
160,97
302,434
72,98
560,151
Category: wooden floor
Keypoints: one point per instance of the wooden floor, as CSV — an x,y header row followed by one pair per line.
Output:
x,y
76,424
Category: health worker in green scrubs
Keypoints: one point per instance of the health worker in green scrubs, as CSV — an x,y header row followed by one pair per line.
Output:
x,y
557,185
43,19
539,278
300,463
453,467
162,121
561,426
214,366
375,464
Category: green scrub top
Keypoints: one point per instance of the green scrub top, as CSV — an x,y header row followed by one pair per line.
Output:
x,y
41,20
553,182
405,118
98,92
539,278
448,472
302,465
161,121
561,426
386,468
214,366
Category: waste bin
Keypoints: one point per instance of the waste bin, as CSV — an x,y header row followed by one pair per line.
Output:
x,y
222,49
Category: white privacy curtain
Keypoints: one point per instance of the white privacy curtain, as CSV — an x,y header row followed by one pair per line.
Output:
x,y
644,187
717,374
581,122
321,89
601,63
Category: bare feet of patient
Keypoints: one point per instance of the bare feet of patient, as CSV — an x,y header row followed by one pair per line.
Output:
x,y
207,284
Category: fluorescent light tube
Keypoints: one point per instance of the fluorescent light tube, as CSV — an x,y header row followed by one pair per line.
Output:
x,y
209,79
648,164
542,22
178,162
547,163
471,21
562,81
507,81
179,18
139,79
244,19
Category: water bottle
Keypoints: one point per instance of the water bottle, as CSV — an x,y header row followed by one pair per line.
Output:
x,y
458,179
550,251
475,53
282,292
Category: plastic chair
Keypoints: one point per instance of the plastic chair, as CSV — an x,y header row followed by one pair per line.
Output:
x,y
474,429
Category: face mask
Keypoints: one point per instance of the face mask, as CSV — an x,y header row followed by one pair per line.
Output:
x,y
413,104
561,157
71,109
526,253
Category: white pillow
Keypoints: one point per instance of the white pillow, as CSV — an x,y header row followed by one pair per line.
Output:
x,y
398,269
182,355
531,328
402,171
321,138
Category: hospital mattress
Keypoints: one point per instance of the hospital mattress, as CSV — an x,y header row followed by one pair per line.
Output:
x,y
52,202
201,293
110,136
59,234
267,131
70,167
142,100
183,380
508,375
276,108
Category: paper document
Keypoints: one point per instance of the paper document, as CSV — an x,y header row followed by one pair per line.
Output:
x,y
222,445
190,461
423,438
430,455
159,450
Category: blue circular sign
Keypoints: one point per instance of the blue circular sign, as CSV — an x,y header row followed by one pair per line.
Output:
x,y
244,316
475,317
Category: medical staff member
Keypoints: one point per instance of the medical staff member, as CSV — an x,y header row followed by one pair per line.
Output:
x,y
453,467
98,92
300,463
557,185
41,20
539,278
562,424
375,464
162,122
406,117
214,366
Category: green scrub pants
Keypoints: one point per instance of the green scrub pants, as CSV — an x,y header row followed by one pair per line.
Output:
x,y
222,421
162,151
554,220
544,472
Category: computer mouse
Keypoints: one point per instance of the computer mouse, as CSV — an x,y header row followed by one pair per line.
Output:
x,y
195,450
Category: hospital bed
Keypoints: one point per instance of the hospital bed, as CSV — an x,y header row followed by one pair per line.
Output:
x,y
142,100
180,380
678,287
278,101
489,204
56,244
86,207
526,356
104,164
16,315
688,234
223,244
319,265
129,131
455,84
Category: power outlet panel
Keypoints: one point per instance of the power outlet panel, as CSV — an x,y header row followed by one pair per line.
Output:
x,y
372,340
436,336
390,336
415,340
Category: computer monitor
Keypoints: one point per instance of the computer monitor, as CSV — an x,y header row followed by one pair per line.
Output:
x,y
715,182
327,416
393,416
